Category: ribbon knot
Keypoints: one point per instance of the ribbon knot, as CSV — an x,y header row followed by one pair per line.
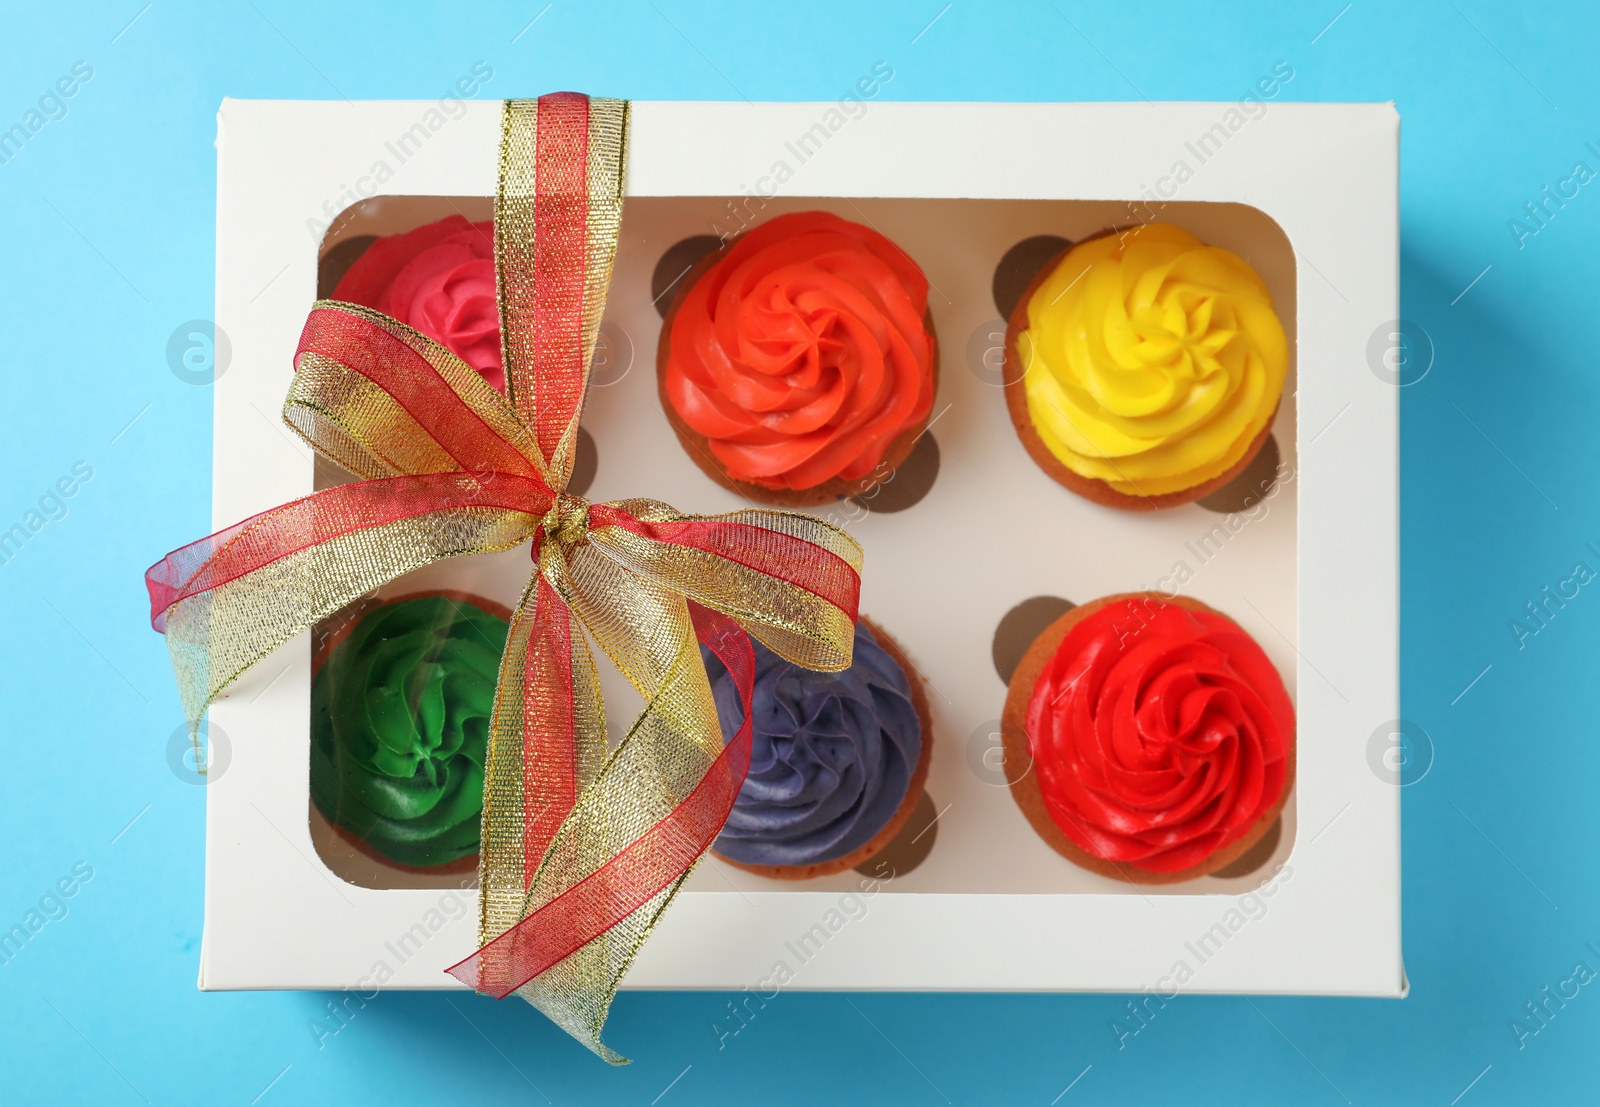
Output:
x,y
567,521
582,847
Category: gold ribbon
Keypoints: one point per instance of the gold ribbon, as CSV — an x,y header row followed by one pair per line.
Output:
x,y
451,467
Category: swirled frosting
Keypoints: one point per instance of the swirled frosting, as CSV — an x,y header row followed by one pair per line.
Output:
x,y
439,279
1151,360
832,755
801,354
1159,734
399,727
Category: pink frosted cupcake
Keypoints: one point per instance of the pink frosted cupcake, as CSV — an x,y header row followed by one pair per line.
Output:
x,y
438,279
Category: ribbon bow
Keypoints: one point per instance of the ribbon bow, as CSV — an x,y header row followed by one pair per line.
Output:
x,y
581,851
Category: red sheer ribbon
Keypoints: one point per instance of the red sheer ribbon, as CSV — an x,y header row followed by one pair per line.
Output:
x,y
644,869
549,762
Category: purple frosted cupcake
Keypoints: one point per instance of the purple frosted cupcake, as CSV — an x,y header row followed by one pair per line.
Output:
x,y
838,760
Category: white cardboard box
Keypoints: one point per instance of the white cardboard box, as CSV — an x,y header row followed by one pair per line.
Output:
x,y
1308,193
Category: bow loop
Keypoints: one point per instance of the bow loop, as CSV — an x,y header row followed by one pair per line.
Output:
x,y
790,580
382,400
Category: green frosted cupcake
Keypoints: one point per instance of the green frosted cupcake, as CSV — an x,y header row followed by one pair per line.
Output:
x,y
400,724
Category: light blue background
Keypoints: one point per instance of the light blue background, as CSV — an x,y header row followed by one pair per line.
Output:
x,y
108,219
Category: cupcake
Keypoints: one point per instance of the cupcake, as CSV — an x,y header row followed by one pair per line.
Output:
x,y
401,697
437,279
1148,738
1144,368
798,364
837,763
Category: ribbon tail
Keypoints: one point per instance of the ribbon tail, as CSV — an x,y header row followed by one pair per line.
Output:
x,y
547,740
637,831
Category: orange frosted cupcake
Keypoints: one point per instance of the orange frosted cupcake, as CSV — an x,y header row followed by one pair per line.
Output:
x,y
797,364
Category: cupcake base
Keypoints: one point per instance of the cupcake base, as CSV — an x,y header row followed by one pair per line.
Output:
x,y
1025,784
461,866
1096,491
919,778
698,446
324,645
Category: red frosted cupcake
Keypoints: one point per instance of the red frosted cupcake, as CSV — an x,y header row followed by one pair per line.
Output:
x,y
1148,738
798,364
438,279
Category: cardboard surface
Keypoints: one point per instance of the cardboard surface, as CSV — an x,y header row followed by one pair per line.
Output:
x,y
1307,195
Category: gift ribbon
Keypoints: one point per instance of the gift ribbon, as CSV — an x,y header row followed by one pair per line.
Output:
x,y
582,849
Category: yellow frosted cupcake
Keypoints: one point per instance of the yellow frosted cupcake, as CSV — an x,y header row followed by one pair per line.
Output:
x,y
1144,367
